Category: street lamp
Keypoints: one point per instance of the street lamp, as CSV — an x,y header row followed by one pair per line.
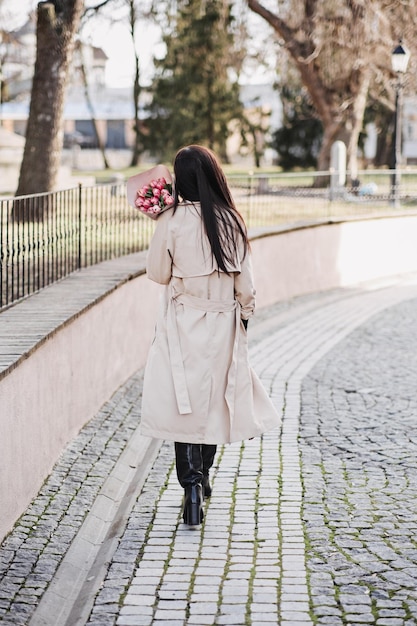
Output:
x,y
399,60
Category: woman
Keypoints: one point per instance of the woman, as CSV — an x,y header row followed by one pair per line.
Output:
x,y
199,390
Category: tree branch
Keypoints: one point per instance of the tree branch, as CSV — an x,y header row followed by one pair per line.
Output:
x,y
97,7
276,22
303,54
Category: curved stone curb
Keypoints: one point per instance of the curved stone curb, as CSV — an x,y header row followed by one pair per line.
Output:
x,y
69,597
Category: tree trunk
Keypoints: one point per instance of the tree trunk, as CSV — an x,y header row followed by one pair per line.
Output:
x,y
137,146
356,122
331,132
57,24
90,106
346,128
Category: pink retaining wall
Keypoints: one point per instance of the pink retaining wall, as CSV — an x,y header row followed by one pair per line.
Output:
x,y
316,258
50,395
61,385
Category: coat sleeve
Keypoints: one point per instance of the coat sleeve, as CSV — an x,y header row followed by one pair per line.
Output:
x,y
159,258
244,288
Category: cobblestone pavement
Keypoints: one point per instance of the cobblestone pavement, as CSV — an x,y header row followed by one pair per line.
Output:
x,y
358,442
311,524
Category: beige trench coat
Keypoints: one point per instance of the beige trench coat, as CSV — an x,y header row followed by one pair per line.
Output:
x,y
199,386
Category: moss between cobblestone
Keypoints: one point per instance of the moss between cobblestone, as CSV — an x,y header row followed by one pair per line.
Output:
x,y
307,543
197,561
248,620
141,551
171,548
231,518
280,485
349,506
371,589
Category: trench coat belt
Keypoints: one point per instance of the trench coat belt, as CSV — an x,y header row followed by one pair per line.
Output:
x,y
177,364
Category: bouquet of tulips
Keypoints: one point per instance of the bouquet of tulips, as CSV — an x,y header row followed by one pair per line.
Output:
x,y
154,197
151,191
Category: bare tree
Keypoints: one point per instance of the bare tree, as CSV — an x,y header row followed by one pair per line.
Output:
x,y
341,49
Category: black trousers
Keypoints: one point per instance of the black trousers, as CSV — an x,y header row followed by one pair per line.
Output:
x,y
193,461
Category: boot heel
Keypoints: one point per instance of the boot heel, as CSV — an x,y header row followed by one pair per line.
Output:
x,y
193,506
192,515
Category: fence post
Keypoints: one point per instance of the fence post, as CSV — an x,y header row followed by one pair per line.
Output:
x,y
80,240
337,169
250,199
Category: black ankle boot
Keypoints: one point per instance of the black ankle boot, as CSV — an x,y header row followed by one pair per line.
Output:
x,y
207,452
189,466
193,505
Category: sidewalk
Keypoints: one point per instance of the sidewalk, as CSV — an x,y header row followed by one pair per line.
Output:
x,y
314,524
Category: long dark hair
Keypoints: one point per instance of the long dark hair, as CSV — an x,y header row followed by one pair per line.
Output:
x,y
199,178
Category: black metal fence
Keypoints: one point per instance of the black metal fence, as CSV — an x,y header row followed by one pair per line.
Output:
x,y
47,236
